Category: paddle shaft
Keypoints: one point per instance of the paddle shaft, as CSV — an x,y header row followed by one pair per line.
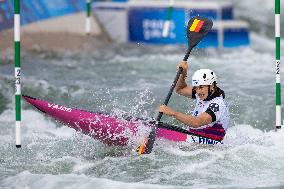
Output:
x,y
187,53
180,130
173,84
152,135
170,92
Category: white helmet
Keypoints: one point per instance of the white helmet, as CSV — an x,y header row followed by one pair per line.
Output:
x,y
203,77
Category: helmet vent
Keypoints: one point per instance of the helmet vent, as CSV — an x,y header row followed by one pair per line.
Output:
x,y
204,76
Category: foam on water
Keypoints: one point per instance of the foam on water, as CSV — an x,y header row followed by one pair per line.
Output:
x,y
29,180
249,157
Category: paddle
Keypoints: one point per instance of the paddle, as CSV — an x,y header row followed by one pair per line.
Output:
x,y
181,130
197,28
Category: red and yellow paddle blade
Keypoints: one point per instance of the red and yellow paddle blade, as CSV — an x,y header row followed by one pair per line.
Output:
x,y
142,148
197,29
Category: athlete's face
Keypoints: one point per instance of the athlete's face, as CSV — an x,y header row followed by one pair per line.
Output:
x,y
202,91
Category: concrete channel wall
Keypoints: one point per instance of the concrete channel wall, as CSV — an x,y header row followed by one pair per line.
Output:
x,y
44,26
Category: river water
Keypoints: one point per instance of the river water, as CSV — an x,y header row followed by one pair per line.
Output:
x,y
135,79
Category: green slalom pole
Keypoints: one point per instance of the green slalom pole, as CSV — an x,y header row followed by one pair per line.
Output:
x,y
167,24
88,17
277,62
17,71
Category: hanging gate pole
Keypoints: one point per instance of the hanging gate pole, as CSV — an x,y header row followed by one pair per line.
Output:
x,y
277,62
17,60
167,24
88,17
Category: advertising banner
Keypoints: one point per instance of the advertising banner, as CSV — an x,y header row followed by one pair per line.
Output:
x,y
146,25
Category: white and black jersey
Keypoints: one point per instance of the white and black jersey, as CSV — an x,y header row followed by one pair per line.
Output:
x,y
218,109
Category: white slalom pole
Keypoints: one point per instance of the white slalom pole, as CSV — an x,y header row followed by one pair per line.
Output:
x,y
167,24
88,17
17,71
277,62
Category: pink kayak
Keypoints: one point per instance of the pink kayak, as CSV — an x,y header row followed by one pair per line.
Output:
x,y
106,128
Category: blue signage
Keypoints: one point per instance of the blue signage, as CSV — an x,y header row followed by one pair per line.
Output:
x,y
240,35
146,25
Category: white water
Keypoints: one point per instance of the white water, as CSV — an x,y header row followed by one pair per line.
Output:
x,y
135,79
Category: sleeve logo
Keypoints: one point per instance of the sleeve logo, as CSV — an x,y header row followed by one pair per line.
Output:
x,y
214,107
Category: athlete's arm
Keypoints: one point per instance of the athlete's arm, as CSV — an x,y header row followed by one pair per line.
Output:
x,y
181,87
192,121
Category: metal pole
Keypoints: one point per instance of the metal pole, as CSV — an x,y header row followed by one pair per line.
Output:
x,y
88,17
167,24
277,62
17,71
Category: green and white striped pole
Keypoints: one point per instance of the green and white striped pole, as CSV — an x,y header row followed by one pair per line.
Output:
x,y
167,24
277,62
17,71
88,17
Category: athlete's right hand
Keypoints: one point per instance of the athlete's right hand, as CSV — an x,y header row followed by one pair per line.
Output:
x,y
184,66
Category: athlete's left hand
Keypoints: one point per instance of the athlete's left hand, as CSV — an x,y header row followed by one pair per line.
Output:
x,y
167,110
